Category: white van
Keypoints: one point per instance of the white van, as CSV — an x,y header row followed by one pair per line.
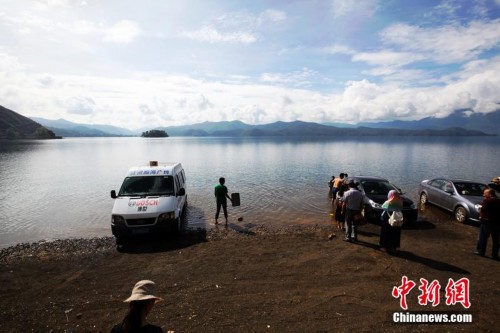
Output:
x,y
151,199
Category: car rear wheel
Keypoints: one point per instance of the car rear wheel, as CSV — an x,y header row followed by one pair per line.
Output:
x,y
460,214
423,198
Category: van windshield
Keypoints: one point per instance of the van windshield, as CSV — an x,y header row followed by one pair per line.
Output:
x,y
147,186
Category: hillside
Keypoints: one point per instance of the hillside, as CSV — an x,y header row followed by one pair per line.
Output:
x,y
16,126
67,128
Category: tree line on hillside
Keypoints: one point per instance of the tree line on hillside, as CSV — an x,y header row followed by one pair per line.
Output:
x,y
15,126
154,134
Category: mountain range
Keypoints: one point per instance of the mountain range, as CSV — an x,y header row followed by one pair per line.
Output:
x,y
460,123
466,118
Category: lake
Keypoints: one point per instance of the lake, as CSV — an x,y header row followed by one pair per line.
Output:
x,y
61,188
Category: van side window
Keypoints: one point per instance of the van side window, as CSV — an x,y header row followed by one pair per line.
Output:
x,y
177,185
183,178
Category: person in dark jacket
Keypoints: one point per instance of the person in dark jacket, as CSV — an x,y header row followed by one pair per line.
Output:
x,y
490,224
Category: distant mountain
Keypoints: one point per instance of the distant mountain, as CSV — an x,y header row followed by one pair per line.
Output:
x,y
473,125
300,128
66,128
15,126
207,128
465,118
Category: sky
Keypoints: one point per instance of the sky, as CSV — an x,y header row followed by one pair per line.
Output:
x,y
150,63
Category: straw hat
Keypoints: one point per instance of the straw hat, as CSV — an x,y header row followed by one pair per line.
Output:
x,y
143,290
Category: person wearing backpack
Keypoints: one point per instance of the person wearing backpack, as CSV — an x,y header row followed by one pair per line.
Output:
x,y
390,235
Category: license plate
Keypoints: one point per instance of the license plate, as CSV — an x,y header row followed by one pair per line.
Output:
x,y
140,231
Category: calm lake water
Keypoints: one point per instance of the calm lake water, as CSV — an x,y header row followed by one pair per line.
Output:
x,y
60,188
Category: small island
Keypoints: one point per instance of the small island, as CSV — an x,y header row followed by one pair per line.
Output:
x,y
154,134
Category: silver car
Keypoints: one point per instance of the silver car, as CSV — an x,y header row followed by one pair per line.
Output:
x,y
461,197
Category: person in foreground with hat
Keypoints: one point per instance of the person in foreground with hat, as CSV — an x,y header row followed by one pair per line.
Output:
x,y
352,204
141,302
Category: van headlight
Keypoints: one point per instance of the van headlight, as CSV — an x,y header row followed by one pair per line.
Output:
x,y
375,205
478,207
117,220
166,216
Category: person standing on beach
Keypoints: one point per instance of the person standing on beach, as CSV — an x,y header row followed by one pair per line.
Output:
x,y
390,237
221,194
495,186
337,183
490,224
330,186
351,205
141,302
339,213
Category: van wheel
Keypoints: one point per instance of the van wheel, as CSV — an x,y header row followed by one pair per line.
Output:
x,y
119,241
176,226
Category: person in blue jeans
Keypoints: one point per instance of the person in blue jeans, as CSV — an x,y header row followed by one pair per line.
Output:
x,y
490,224
352,204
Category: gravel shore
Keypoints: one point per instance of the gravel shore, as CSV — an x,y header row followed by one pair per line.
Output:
x,y
246,278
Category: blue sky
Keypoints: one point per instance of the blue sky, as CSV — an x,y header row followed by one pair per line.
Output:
x,y
149,63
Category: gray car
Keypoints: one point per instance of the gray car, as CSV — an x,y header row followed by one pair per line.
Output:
x,y
461,197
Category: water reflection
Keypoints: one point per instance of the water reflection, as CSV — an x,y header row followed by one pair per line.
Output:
x,y
60,188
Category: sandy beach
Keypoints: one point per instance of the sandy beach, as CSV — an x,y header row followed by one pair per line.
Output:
x,y
249,278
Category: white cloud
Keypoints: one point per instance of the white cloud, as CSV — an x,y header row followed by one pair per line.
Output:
x,y
354,9
387,58
10,63
271,15
297,78
212,35
145,109
204,103
265,67
338,49
447,44
123,32
80,105
236,27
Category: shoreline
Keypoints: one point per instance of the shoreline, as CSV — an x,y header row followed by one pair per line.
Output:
x,y
66,247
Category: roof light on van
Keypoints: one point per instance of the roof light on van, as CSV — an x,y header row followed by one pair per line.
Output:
x,y
153,163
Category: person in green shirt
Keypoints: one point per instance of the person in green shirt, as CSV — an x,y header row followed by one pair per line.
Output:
x,y
221,194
